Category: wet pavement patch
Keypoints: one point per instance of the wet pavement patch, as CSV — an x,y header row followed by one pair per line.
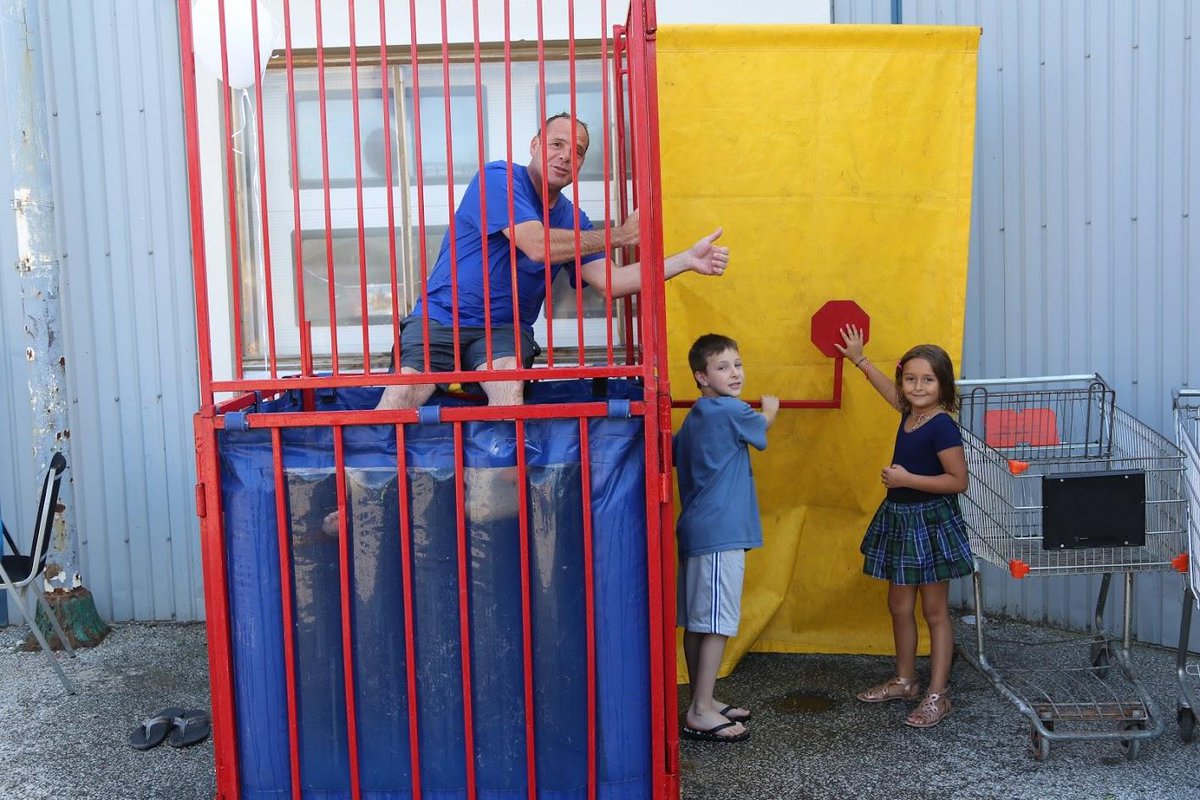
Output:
x,y
802,702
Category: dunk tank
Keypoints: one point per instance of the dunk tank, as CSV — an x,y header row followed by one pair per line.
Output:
x,y
456,600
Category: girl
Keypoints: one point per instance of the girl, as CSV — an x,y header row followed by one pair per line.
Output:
x,y
917,540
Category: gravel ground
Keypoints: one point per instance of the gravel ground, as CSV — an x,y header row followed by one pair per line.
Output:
x,y
811,739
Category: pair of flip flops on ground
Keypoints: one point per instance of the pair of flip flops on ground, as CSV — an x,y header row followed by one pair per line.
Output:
x,y
713,734
177,726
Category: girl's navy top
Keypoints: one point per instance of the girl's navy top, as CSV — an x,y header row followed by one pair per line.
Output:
x,y
918,452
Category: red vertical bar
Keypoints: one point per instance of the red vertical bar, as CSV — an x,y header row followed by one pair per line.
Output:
x,y
385,93
483,223
512,237
420,165
575,166
358,191
450,203
260,161
195,201
634,303
644,106
333,345
284,539
606,177
589,584
216,600
620,46
406,581
297,232
464,615
541,49
339,465
235,258
526,609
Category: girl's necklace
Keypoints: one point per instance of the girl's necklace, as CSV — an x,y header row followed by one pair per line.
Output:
x,y
919,419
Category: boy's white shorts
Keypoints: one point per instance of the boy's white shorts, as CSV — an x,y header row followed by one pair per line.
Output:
x,y
710,592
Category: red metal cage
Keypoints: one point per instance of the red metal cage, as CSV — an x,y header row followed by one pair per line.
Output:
x,y
313,247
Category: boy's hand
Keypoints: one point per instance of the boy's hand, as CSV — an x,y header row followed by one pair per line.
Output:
x,y
770,407
895,476
852,336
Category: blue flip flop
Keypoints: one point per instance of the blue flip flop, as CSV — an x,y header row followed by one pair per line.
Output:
x,y
190,727
154,729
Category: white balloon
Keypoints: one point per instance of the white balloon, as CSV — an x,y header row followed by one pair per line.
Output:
x,y
239,39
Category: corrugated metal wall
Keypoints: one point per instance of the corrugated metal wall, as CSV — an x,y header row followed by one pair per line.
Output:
x,y
1080,259
1081,245
114,95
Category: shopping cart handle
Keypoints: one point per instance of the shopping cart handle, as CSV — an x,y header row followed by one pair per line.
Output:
x,y
1018,568
1180,562
1017,467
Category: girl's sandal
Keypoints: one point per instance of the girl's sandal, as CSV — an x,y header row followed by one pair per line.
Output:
x,y
896,688
933,709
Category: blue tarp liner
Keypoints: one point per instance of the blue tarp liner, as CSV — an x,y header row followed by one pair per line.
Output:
x,y
556,570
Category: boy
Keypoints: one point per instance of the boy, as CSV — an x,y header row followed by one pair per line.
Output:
x,y
718,522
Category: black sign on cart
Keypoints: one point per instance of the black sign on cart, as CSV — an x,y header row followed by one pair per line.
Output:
x,y
1094,509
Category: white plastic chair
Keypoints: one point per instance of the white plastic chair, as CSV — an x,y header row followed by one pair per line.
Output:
x,y
18,573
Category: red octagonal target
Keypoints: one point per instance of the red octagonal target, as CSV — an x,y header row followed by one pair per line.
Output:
x,y
829,320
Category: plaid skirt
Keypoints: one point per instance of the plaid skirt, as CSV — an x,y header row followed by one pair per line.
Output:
x,y
913,543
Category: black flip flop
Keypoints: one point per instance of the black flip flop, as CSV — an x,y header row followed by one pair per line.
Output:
x,y
711,734
190,727
153,730
725,713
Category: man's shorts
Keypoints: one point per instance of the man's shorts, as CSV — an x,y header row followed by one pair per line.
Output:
x,y
472,344
710,592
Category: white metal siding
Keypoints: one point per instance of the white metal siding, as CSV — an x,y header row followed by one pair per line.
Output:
x,y
1081,248
117,148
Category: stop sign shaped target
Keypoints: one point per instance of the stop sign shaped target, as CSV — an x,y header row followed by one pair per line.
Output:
x,y
829,320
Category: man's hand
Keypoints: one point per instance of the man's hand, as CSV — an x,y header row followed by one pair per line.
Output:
x,y
706,257
628,233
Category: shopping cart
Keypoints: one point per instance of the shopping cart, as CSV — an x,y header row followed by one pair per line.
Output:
x,y
1186,404
1062,482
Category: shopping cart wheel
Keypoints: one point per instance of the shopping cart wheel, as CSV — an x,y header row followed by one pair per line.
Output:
x,y
1040,744
1132,748
1099,657
1187,722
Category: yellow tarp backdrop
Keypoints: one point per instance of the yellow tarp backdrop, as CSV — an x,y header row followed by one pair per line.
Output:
x,y
838,159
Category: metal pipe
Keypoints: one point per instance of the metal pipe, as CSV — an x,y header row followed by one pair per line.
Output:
x,y
38,268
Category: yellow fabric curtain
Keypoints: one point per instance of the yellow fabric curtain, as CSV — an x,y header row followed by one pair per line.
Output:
x,y
838,159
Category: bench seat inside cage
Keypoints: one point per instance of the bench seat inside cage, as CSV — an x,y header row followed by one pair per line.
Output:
x,y
377,613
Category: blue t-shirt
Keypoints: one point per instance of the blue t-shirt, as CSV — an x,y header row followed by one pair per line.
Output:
x,y
468,246
918,452
718,506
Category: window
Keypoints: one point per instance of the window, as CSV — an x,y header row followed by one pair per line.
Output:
x,y
339,120
347,276
464,137
400,201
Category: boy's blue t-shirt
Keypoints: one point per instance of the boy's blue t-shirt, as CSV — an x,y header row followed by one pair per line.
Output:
x,y
718,504
468,251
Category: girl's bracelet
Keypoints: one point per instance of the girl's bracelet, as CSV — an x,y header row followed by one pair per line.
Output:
x,y
860,363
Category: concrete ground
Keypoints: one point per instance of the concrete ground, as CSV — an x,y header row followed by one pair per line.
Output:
x,y
811,739
54,745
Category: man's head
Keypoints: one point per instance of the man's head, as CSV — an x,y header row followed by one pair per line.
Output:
x,y
716,365
561,148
